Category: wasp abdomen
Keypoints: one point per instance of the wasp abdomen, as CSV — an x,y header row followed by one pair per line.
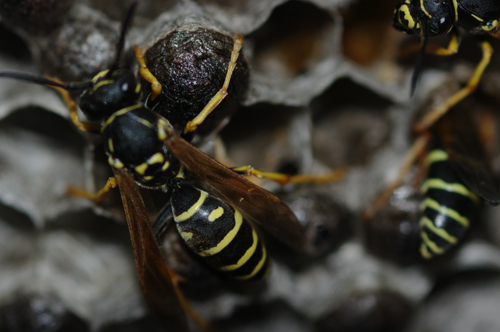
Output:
x,y
217,232
447,207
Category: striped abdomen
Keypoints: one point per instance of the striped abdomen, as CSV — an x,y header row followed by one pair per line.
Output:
x,y
446,208
217,232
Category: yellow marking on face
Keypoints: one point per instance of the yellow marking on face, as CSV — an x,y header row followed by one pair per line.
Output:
x,y
119,113
162,134
193,209
110,145
457,188
145,122
438,231
100,84
407,16
100,74
424,10
138,87
250,251
428,202
157,158
166,165
431,245
435,156
141,169
186,235
238,220
115,163
257,268
215,214
149,177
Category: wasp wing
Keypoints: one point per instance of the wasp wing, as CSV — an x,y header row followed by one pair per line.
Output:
x,y
254,202
460,139
156,282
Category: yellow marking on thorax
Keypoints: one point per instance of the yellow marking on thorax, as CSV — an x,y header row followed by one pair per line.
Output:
x,y
216,214
257,268
457,188
186,235
489,28
146,123
455,6
424,252
438,231
250,251
157,158
193,209
138,87
110,145
162,134
435,156
428,202
424,10
238,221
119,113
148,178
477,18
166,165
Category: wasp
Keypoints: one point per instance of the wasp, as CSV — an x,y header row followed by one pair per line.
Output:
x,y
431,18
144,149
458,179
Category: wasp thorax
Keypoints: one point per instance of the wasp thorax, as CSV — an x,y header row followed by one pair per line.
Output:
x,y
109,93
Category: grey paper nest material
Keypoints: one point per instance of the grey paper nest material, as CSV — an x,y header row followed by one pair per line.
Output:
x,y
325,92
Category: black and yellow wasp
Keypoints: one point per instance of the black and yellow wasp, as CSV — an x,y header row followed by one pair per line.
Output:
x,y
458,178
143,148
431,18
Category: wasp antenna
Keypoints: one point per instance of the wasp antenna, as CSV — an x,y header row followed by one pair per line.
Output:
x,y
45,81
121,42
418,67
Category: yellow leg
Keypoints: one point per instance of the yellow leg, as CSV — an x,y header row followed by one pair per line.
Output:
x,y
75,191
450,50
471,86
146,74
202,323
219,96
412,155
73,110
284,178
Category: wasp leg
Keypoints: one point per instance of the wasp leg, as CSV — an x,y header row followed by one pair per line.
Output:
x,y
471,86
417,148
202,323
73,109
146,74
219,96
75,191
284,178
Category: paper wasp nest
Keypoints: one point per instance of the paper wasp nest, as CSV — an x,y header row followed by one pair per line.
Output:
x,y
327,89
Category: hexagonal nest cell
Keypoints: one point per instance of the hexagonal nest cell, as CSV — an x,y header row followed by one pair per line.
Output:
x,y
319,86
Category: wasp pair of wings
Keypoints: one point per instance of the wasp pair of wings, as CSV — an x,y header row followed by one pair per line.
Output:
x,y
258,205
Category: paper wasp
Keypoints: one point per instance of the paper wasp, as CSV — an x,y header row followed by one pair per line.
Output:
x,y
458,179
430,18
143,148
